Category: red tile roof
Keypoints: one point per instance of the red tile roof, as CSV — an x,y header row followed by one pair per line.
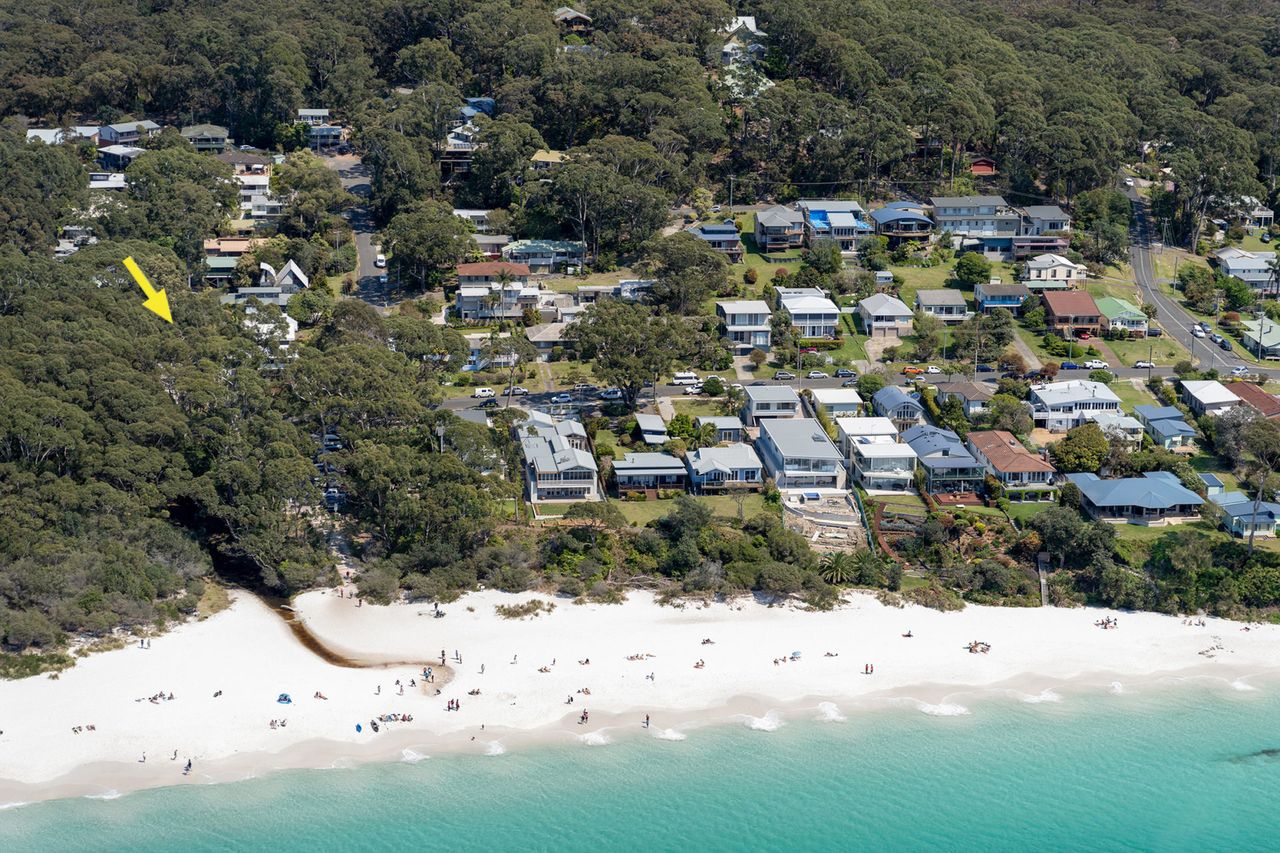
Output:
x,y
1006,453
1266,404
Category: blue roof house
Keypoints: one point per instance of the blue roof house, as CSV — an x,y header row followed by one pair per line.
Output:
x,y
949,467
1166,425
1154,499
1240,518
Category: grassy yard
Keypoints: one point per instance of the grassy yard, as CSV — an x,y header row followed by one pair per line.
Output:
x,y
640,513
1130,395
698,406
1020,512
1164,351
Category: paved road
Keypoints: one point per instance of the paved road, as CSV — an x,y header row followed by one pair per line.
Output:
x,y
1173,318
355,178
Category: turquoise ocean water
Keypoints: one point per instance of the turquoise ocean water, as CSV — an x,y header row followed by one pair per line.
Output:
x,y
1173,768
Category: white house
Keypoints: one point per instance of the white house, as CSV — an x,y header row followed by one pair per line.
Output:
x,y
769,402
127,132
852,429
1255,214
975,397
884,315
313,117
945,304
1208,397
558,461
1253,268
1050,271
897,405
835,402
810,311
746,324
735,466
798,455
479,219
876,459
1060,406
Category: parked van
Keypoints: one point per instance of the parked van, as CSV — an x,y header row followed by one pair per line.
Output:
x,y
685,378
482,393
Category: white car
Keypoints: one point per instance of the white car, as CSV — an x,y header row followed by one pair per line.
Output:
x,y
611,394
693,389
1128,182
516,391
1197,332
817,374
482,393
1240,371
1143,365
1096,364
380,261
562,399
933,369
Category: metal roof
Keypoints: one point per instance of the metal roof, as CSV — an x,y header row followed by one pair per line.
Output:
x,y
1153,490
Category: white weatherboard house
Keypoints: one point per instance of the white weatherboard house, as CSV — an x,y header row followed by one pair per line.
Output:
x,y
1208,397
798,455
835,402
558,461
810,311
735,466
1059,406
746,324
1253,268
884,315
1050,271
769,402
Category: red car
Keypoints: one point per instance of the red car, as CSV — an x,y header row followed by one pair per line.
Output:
x,y
1084,336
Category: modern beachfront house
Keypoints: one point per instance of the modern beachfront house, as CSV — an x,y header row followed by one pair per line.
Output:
x,y
779,228
714,469
835,402
809,310
798,455
746,324
1154,499
649,471
1024,476
1059,406
989,222
841,220
769,402
898,221
559,465
877,460
949,468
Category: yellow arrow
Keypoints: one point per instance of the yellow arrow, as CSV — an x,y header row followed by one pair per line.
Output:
x,y
157,301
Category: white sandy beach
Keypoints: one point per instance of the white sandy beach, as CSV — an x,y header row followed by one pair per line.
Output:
x,y
250,654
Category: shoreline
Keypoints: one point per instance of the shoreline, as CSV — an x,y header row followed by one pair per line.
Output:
x,y
250,647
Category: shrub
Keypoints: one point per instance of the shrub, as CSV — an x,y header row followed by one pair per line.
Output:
x,y
751,276
532,608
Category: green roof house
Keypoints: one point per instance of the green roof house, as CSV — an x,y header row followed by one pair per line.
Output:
x,y
1121,314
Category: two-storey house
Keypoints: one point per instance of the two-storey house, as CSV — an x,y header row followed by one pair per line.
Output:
x,y
885,316
810,311
1070,312
945,304
206,137
1052,272
898,406
745,323
798,455
717,469
1024,476
559,465
1060,406
769,402
949,468
841,220
899,221
721,236
993,295
779,228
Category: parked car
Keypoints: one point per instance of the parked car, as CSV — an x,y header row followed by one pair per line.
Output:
x,y
1144,365
809,351
382,279
1216,338
784,374
1128,182
1240,371
515,391
1084,335
693,390
933,369
1196,331
845,373
562,399
611,394
911,371
685,378
1068,365
1154,331
482,393
1224,344
488,404
985,368
584,388
1266,238
380,261
849,383
715,208
817,374
1096,364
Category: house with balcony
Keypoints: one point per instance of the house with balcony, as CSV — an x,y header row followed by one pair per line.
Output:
x,y
974,397
1025,476
127,132
745,323
779,228
495,290
728,428
877,460
885,316
810,311
1121,315
1253,268
743,41
1207,397
118,157
987,223
645,471
492,272
721,236
798,455
841,220
864,429
730,468
1041,219
256,200
835,402
899,221
460,144
894,403
313,117
1052,272
479,219
993,295
206,137
1155,499
1070,312
628,290
1060,406
1118,428
1166,425
949,468
945,304
769,402
546,256
1241,517
559,465
273,287
1255,215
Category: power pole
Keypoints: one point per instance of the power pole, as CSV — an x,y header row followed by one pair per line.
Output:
x,y
732,178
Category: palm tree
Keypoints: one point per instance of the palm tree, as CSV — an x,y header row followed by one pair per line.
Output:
x,y
837,568
704,436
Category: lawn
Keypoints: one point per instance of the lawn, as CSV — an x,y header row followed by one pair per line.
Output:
x,y
1020,512
1130,395
697,406
640,513
910,503
1164,350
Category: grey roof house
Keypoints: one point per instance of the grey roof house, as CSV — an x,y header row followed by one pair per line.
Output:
x,y
949,468
1156,498
636,471
735,466
945,304
897,405
798,455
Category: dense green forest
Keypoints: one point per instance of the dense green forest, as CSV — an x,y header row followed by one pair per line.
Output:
x,y
127,446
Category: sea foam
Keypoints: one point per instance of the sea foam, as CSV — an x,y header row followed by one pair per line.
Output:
x,y
411,757
942,709
1116,688
670,734
495,747
112,794
770,722
1242,685
595,739
1043,696
829,712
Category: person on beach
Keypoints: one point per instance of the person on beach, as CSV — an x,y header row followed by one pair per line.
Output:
x,y
646,721
482,669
